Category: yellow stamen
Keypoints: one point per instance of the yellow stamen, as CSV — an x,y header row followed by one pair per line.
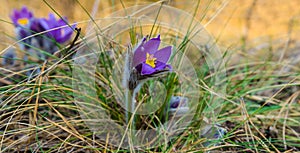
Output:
x,y
150,60
23,21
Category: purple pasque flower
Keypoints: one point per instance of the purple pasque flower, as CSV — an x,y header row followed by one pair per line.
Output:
x,y
22,20
178,106
58,29
147,59
22,17
178,101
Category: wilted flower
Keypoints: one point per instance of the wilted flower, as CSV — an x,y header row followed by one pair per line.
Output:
x,y
22,17
61,31
148,60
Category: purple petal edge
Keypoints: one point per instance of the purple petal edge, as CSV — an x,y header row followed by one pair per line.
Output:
x,y
163,54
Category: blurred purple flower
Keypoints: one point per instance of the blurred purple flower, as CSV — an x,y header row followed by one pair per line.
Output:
x,y
22,17
26,24
21,34
58,29
9,57
35,25
147,59
22,20
30,31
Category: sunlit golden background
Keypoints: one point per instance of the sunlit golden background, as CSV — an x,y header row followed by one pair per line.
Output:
x,y
231,21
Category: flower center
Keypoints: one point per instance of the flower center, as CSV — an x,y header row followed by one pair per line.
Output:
x,y
23,21
150,60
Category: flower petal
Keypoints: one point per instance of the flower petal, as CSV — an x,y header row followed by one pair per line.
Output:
x,y
26,13
23,13
58,29
22,33
44,24
147,69
66,34
37,25
139,55
163,54
15,16
159,66
143,48
52,20
62,22
152,45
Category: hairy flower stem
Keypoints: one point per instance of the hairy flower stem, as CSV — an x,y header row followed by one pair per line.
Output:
x,y
130,111
127,97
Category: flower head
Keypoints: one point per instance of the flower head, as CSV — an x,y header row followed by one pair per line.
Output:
x,y
178,101
178,107
147,59
22,17
61,32
22,20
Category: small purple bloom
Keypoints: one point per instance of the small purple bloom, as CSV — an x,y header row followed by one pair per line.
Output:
x,y
22,17
22,20
178,101
61,32
147,59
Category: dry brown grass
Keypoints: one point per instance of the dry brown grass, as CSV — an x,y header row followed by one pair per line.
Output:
x,y
262,40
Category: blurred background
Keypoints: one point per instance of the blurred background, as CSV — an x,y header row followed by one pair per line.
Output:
x,y
231,21
252,30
